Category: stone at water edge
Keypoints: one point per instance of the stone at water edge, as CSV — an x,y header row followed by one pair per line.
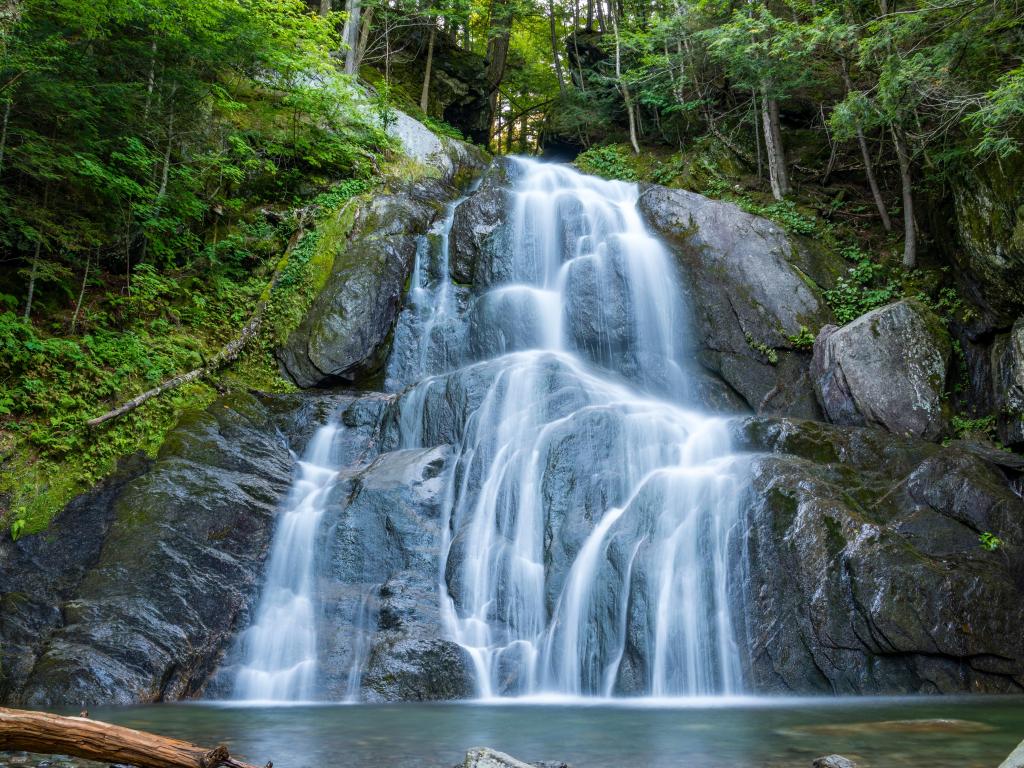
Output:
x,y
1016,758
834,761
886,369
1008,384
483,757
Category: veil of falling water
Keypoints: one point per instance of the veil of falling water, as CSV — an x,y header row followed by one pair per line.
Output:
x,y
279,650
593,507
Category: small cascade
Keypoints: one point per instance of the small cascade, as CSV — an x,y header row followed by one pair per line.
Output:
x,y
279,650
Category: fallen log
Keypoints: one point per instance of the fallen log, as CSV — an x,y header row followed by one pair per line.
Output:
x,y
24,731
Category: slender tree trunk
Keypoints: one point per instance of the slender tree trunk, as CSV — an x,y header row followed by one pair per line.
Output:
x,y
590,15
364,38
425,93
81,292
625,89
499,34
906,183
869,166
325,7
350,35
757,139
3,132
32,281
773,147
150,82
601,25
554,47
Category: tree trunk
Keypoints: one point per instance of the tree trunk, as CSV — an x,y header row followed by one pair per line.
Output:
x,y
325,7
364,38
32,282
777,174
869,166
92,740
625,90
3,132
906,183
499,34
350,35
590,15
150,83
81,293
554,47
425,93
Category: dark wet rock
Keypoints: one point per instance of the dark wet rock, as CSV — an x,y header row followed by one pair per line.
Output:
x,y
752,288
346,334
479,239
990,227
1008,384
887,369
380,584
146,579
833,761
864,568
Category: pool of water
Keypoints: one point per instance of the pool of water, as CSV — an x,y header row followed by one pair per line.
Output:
x,y
764,733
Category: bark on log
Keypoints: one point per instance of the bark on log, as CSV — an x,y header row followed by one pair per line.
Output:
x,y
25,731
228,353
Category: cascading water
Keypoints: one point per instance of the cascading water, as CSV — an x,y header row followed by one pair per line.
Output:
x,y
279,650
591,514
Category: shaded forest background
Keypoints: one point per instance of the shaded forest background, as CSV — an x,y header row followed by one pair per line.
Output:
x,y
157,156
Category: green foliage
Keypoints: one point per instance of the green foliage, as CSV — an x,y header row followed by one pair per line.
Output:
x,y
758,346
866,286
990,542
609,162
804,339
983,427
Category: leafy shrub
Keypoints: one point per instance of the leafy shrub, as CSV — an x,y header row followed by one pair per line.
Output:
x,y
609,162
865,287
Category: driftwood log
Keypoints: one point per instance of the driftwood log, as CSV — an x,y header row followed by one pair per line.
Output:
x,y
24,731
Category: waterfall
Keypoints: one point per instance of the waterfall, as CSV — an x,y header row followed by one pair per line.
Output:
x,y
594,507
279,650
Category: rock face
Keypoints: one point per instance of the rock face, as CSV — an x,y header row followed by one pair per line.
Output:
x,y
752,288
864,572
1008,384
345,336
990,231
887,369
379,589
478,235
140,585
451,158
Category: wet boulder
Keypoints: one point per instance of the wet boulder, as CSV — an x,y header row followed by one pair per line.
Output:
x,y
451,158
346,334
1008,384
863,570
379,589
887,369
753,291
168,568
478,245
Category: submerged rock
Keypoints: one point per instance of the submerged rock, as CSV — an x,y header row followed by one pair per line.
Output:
x,y
833,761
753,290
887,368
863,569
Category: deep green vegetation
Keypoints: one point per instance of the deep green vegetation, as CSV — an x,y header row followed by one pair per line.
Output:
x,y
152,158
154,153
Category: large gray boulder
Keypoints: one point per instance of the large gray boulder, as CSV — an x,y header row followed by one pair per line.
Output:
x,y
1008,384
752,289
138,588
479,238
346,334
379,588
887,369
863,571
